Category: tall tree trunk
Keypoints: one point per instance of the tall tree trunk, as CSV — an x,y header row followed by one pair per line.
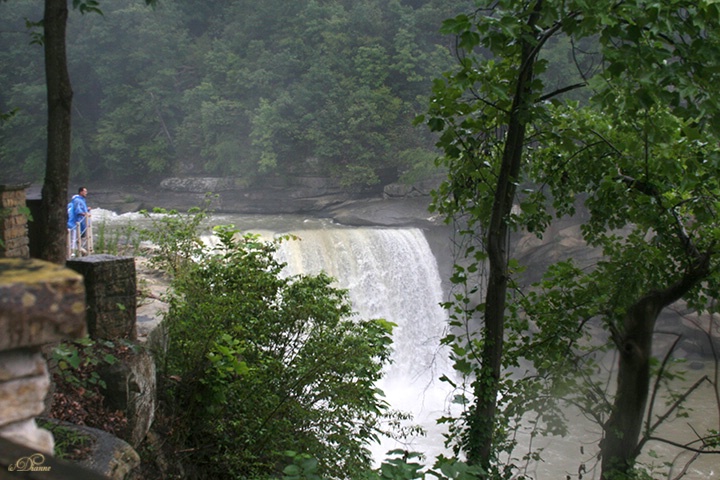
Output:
x,y
482,421
619,447
57,170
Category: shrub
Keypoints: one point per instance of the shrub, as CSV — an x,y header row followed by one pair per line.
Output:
x,y
258,363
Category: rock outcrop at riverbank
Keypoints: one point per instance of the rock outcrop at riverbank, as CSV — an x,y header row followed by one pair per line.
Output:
x,y
393,205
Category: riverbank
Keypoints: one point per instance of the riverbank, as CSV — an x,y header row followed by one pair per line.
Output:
x,y
392,206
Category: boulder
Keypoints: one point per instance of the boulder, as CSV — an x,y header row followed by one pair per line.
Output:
x,y
110,456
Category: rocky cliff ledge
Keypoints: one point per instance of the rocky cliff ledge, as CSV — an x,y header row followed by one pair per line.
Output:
x,y
392,205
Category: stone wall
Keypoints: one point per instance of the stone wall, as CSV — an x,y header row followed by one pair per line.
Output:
x,y
13,222
111,286
40,303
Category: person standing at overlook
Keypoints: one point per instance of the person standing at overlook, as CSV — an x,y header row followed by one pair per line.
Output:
x,y
78,212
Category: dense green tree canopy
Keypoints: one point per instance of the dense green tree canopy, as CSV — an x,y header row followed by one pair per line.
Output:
x,y
636,144
240,88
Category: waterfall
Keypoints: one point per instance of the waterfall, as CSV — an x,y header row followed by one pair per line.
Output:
x,y
390,274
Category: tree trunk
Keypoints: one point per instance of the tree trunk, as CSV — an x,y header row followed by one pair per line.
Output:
x,y
622,429
57,170
482,421
619,447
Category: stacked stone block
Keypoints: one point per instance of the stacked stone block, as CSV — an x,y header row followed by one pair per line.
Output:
x,y
13,222
111,287
40,303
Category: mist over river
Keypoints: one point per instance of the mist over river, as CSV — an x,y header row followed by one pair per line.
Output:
x,y
399,273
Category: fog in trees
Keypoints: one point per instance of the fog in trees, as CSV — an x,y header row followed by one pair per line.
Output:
x,y
242,89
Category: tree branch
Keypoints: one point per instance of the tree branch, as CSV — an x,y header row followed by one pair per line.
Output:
x,y
656,387
686,446
561,91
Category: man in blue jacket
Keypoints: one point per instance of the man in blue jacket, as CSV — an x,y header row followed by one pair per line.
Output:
x,y
77,213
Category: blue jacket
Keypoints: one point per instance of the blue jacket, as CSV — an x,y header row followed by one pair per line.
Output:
x,y
77,213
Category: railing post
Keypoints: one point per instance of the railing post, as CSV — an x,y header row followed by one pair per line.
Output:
x,y
88,234
78,239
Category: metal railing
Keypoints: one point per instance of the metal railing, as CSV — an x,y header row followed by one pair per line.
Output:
x,y
79,242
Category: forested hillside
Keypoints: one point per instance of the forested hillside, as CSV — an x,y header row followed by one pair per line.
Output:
x,y
237,88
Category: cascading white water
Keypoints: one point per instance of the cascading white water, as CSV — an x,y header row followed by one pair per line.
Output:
x,y
390,274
